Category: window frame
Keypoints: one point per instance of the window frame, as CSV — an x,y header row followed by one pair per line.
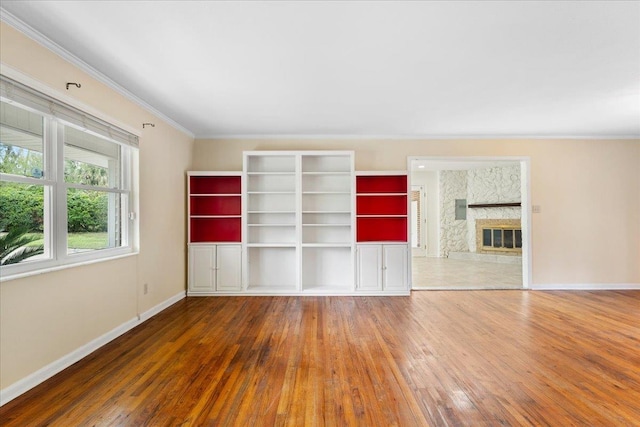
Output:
x,y
55,202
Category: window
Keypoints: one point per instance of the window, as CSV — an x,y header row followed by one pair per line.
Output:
x,y
65,183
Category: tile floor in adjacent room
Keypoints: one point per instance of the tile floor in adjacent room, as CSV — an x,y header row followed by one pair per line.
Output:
x,y
446,273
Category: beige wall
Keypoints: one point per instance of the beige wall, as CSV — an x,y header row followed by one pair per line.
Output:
x,y
582,187
45,317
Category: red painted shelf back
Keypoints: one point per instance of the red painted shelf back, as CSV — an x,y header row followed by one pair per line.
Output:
x,y
215,185
381,205
216,230
381,230
215,205
381,184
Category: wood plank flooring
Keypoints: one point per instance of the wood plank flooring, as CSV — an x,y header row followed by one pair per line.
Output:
x,y
438,358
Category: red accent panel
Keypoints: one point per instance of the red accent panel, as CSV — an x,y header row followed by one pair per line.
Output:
x,y
215,205
381,229
215,229
381,205
215,185
381,184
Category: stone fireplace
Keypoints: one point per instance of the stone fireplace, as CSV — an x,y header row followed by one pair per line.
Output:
x,y
499,236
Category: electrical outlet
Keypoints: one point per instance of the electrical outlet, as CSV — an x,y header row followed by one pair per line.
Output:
x,y
146,288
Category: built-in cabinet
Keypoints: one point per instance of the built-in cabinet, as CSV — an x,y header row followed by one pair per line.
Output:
x,y
290,223
382,267
215,268
382,220
214,231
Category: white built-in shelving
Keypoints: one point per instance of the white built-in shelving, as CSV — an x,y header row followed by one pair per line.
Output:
x,y
299,221
327,222
270,222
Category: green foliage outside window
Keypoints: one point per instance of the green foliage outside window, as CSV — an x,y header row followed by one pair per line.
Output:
x,y
86,211
22,207
15,246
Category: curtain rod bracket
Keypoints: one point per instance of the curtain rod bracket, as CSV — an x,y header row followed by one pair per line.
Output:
x,y
78,85
144,125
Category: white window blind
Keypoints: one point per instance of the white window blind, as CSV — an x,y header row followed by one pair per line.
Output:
x,y
12,91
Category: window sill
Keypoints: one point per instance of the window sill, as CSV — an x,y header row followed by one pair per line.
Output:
x,y
63,267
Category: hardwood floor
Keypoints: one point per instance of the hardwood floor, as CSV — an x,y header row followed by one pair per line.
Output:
x,y
440,358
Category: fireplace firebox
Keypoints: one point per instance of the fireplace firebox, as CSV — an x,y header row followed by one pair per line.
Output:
x,y
499,236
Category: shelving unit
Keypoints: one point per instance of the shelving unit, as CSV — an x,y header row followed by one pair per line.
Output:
x,y
214,207
327,222
214,232
299,222
271,199
382,230
381,207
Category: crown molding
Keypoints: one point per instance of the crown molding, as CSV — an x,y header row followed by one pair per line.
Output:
x,y
24,28
357,137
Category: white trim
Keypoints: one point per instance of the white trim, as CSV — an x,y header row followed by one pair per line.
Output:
x,y
381,173
43,40
27,383
25,179
465,159
214,173
417,137
306,292
163,305
59,267
525,218
585,286
294,153
421,250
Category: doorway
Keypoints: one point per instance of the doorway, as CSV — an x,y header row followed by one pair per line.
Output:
x,y
464,199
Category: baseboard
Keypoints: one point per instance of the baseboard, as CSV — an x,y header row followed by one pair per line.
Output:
x,y
585,287
306,293
163,305
43,374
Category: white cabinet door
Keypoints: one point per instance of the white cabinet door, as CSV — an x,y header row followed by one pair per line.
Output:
x,y
369,267
394,270
228,268
202,261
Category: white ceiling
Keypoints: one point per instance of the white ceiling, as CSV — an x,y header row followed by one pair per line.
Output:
x,y
356,69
